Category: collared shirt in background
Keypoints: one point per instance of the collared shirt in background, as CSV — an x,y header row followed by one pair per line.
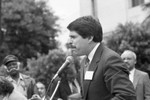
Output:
x,y
131,75
19,85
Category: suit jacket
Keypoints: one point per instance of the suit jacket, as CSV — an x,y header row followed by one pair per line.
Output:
x,y
141,84
110,80
63,90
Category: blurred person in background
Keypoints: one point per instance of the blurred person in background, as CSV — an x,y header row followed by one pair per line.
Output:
x,y
139,78
40,89
69,84
22,83
7,91
104,76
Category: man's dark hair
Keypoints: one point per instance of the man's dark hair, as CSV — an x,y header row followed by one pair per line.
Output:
x,y
42,80
6,87
87,26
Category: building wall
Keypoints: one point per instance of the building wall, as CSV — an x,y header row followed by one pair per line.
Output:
x,y
113,12
85,7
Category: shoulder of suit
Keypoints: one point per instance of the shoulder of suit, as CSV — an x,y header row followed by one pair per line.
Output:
x,y
141,72
109,52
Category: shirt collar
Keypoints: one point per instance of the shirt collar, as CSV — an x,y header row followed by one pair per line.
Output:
x,y
91,54
132,71
43,98
20,77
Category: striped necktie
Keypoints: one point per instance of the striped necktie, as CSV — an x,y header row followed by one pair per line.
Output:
x,y
87,62
74,88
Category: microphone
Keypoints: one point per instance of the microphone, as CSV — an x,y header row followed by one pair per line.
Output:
x,y
69,60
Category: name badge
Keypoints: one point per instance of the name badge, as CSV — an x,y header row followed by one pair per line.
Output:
x,y
88,75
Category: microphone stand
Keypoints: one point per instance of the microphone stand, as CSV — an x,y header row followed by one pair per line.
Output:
x,y
49,87
58,83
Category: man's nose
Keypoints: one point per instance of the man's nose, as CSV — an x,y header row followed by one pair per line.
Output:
x,y
69,41
39,90
125,60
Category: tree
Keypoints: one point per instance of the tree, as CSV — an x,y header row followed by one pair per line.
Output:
x,y
133,37
146,22
30,28
45,66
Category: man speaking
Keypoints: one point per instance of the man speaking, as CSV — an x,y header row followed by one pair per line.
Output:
x,y
104,76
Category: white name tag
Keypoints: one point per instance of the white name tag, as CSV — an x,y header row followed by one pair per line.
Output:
x,y
88,75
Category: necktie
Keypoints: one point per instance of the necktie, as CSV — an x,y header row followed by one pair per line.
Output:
x,y
87,61
74,88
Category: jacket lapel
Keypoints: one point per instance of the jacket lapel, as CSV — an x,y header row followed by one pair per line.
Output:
x,y
135,80
92,67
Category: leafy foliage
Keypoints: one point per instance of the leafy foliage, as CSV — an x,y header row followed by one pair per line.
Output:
x,y
146,22
46,65
133,37
30,28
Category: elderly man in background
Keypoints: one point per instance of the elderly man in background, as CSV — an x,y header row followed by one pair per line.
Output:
x,y
22,83
7,91
139,78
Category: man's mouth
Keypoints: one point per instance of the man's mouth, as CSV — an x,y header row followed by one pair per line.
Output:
x,y
13,69
71,46
127,64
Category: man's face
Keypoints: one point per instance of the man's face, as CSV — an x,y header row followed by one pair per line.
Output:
x,y
79,45
129,59
41,89
12,68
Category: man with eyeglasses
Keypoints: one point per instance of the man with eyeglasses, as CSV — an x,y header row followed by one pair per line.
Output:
x,y
22,83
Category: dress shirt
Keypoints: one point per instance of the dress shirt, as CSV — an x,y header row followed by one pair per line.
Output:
x,y
43,98
91,54
19,85
76,85
131,75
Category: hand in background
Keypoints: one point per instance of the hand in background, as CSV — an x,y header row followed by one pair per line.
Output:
x,y
59,99
35,97
76,96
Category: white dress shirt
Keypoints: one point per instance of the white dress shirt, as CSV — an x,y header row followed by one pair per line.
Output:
x,y
76,84
131,75
91,54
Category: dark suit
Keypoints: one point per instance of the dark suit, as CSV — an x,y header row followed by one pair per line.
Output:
x,y
63,90
110,78
141,84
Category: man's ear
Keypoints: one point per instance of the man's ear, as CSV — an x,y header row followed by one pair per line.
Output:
x,y
135,62
5,66
90,39
18,63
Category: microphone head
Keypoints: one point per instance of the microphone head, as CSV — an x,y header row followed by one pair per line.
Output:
x,y
70,59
